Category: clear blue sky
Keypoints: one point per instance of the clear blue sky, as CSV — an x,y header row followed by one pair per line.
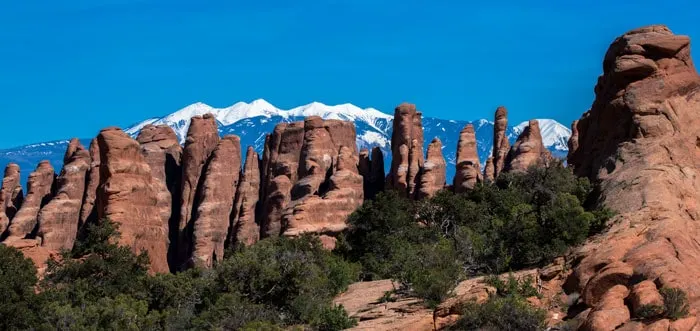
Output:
x,y
69,68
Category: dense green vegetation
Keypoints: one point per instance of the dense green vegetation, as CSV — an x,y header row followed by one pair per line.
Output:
x,y
428,246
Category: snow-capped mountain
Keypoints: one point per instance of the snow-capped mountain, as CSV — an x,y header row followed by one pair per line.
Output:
x,y
252,121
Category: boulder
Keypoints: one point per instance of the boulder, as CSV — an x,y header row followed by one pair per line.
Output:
x,y
58,220
218,190
468,168
128,195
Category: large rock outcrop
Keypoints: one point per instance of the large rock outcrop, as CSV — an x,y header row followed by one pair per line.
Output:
x,y
372,171
468,168
217,194
329,186
88,212
202,138
279,173
245,229
128,196
10,196
432,175
528,150
39,189
406,149
163,153
58,220
639,143
501,145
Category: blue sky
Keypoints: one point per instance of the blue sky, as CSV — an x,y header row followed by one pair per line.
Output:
x,y
69,68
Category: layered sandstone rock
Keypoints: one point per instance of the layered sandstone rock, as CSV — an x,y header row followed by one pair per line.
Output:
x,y
202,138
639,143
128,196
327,212
468,168
573,139
11,194
489,170
58,220
528,150
432,178
406,149
39,189
372,171
88,212
245,229
279,172
501,145
218,190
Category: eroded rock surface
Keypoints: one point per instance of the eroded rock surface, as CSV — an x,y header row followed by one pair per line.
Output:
x,y
58,220
432,178
88,212
245,228
406,149
128,196
10,196
528,150
468,169
39,190
639,142
501,145
218,190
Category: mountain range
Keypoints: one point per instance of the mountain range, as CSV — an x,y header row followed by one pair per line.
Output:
x,y
252,121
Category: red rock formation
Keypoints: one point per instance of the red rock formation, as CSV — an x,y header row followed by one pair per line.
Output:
x,y
39,187
528,150
364,167
639,143
11,194
245,230
326,213
218,190
372,171
202,138
501,145
58,220
468,169
280,166
128,196
573,140
489,170
406,165
88,212
432,178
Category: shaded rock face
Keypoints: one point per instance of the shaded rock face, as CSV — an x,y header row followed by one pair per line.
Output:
x,y
202,139
280,166
432,178
245,229
573,140
528,150
10,196
58,220
406,149
468,169
489,170
162,152
218,189
88,212
39,189
325,213
639,143
372,171
501,145
128,195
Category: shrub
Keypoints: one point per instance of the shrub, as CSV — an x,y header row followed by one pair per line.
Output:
x,y
649,311
334,318
520,288
501,313
675,303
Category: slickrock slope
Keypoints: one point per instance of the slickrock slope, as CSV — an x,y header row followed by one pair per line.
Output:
x,y
58,220
432,177
406,149
202,138
88,212
218,190
39,187
128,195
245,229
639,141
468,168
501,145
528,150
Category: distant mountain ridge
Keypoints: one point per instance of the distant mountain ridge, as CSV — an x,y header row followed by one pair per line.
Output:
x,y
252,121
